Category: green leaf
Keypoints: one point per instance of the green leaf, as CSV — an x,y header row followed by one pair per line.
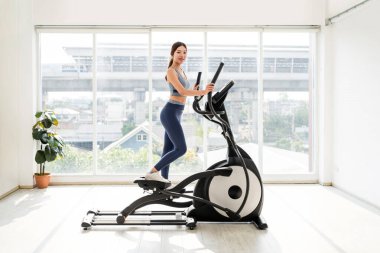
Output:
x,y
38,114
48,115
50,154
54,156
40,157
54,119
38,133
44,138
51,141
35,133
59,139
55,149
47,123
41,133
61,153
35,125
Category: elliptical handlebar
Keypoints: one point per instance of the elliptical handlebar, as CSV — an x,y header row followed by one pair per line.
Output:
x,y
216,75
197,98
213,81
209,95
199,78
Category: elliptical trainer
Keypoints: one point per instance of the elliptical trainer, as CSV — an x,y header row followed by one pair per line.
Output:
x,y
229,191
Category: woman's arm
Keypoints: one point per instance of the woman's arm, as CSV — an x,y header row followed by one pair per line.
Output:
x,y
173,79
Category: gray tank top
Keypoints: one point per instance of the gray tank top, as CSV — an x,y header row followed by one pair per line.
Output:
x,y
185,83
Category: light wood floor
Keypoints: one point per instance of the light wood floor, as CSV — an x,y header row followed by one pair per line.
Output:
x,y
301,218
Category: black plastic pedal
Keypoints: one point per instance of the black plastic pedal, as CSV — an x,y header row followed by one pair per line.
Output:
x,y
151,184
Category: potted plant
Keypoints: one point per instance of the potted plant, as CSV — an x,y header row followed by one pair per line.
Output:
x,y
50,143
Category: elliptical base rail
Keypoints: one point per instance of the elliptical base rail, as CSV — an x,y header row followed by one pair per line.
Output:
x,y
108,218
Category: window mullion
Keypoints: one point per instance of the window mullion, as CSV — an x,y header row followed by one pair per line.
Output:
x,y
150,67
260,102
94,106
205,125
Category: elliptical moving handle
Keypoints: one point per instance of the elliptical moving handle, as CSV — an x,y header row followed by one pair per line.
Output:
x,y
198,98
216,75
209,95
199,78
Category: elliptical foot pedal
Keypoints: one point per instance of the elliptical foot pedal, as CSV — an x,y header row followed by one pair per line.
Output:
x,y
151,184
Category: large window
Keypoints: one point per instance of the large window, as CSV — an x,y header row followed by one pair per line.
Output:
x,y
122,116
286,103
66,73
108,90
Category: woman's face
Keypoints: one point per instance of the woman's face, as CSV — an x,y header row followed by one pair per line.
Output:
x,y
180,55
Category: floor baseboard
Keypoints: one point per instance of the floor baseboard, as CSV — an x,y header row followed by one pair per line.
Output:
x,y
26,186
9,192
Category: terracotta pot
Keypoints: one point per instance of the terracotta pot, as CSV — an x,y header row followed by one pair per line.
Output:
x,y
42,181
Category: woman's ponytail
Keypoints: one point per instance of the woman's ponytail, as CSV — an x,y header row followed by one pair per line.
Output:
x,y
170,62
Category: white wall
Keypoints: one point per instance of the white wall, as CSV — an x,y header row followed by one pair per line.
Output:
x,y
355,59
17,98
8,95
27,93
170,12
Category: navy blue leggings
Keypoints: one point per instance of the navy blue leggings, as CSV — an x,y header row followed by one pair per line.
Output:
x,y
174,142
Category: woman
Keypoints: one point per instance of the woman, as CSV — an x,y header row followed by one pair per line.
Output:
x,y
174,143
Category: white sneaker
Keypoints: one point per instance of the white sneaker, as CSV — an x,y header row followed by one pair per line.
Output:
x,y
156,177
